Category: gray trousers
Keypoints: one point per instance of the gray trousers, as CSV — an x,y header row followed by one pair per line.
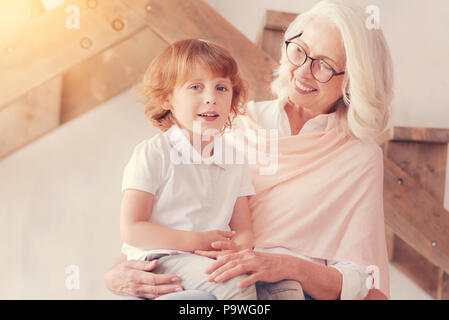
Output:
x,y
281,290
190,268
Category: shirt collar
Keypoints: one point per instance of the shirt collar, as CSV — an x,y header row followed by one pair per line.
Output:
x,y
321,123
180,141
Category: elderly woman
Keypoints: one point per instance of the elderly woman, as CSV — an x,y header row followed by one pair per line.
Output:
x,y
319,219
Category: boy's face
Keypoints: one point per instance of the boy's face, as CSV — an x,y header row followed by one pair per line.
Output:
x,y
204,98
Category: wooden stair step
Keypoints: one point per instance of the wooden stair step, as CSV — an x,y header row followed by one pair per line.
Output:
x,y
46,48
28,118
109,73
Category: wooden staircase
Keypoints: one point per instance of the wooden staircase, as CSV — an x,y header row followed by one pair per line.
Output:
x,y
51,74
417,224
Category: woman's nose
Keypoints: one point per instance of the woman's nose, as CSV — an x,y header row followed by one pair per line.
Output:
x,y
304,71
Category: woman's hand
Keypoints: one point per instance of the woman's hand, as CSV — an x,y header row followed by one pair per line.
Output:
x,y
266,267
132,278
222,248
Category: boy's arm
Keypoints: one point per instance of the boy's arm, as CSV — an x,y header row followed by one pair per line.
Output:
x,y
137,231
241,224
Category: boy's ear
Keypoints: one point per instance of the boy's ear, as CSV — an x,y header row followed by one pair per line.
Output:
x,y
167,103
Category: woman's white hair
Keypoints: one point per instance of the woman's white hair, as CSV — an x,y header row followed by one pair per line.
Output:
x,y
364,110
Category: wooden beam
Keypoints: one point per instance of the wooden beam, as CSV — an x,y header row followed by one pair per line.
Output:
x,y
416,267
179,19
46,48
390,239
425,162
443,286
272,43
31,116
422,154
384,137
424,135
415,215
278,20
271,35
99,78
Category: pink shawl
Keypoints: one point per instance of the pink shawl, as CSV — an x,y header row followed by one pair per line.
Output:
x,y
325,200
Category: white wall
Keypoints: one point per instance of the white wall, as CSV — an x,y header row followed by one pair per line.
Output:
x,y
60,200
60,196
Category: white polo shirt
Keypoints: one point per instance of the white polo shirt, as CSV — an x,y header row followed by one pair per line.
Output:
x,y
187,196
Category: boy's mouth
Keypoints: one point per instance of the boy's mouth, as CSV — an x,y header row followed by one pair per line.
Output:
x,y
208,115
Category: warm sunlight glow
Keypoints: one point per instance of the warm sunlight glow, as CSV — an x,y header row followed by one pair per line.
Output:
x,y
51,4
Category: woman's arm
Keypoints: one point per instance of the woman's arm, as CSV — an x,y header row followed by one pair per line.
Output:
x,y
137,231
320,282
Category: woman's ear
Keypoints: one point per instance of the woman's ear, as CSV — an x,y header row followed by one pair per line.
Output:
x,y
347,88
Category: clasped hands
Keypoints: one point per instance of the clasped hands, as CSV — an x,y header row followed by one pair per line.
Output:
x,y
231,262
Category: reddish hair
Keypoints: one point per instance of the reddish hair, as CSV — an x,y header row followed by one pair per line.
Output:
x,y
172,69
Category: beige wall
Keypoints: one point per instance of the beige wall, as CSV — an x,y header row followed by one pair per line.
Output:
x,y
60,200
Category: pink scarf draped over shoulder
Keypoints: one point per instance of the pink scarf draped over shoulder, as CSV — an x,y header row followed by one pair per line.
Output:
x,y
325,200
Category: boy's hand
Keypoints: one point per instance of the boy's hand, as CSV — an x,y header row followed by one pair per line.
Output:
x,y
209,237
220,248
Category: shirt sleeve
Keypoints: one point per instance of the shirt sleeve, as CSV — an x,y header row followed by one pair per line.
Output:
x,y
353,280
251,110
144,170
246,186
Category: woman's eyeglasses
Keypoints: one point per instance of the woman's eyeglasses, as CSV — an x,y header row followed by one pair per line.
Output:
x,y
320,69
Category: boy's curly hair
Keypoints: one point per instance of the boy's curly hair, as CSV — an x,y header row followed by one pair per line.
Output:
x,y
172,69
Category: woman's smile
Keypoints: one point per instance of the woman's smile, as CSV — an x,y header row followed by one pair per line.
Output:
x,y
302,88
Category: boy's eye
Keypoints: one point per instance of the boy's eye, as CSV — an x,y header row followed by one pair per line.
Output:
x,y
194,87
222,88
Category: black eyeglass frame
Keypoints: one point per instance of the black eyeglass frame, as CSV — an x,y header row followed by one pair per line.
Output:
x,y
287,42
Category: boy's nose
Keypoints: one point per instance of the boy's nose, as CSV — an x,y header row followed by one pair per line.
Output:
x,y
210,99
